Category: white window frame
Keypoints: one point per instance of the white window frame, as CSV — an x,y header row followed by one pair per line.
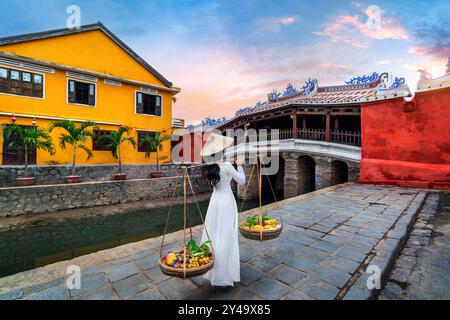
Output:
x,y
25,70
80,104
150,94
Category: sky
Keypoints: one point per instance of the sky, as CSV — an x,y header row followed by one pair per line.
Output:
x,y
229,54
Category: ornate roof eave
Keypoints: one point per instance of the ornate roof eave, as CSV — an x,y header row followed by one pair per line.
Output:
x,y
433,84
402,93
359,90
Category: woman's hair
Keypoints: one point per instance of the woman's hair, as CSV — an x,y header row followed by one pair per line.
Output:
x,y
211,172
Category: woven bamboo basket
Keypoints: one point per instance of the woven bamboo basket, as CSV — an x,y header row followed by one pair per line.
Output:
x,y
190,272
261,235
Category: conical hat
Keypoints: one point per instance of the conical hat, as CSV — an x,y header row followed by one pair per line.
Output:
x,y
215,144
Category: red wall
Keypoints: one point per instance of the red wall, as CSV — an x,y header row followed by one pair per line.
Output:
x,y
194,142
407,148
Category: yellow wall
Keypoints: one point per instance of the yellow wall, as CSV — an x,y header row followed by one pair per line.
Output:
x,y
92,51
89,50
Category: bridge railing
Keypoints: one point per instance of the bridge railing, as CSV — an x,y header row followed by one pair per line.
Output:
x,y
312,134
283,134
346,137
336,136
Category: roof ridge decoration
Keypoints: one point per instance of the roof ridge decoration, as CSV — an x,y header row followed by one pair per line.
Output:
x,y
364,79
427,83
391,86
390,82
245,110
311,87
84,28
274,95
207,123
290,90
357,90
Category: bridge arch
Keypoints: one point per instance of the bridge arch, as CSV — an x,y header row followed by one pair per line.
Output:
x,y
274,181
339,172
307,166
306,174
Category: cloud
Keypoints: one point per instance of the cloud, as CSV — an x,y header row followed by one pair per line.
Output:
x,y
273,24
354,30
288,20
434,68
437,51
216,80
383,62
431,35
334,66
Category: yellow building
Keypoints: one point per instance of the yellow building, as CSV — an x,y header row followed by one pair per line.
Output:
x,y
81,74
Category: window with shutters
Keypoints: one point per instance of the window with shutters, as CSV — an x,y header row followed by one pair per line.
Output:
x,y
16,155
141,134
81,93
96,146
148,104
21,83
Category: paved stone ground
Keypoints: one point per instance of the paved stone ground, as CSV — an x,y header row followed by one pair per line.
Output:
x,y
329,238
422,269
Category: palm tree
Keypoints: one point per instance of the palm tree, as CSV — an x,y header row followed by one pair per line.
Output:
x,y
76,135
154,143
114,140
28,137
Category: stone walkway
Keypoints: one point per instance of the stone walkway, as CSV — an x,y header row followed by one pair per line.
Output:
x,y
421,272
329,238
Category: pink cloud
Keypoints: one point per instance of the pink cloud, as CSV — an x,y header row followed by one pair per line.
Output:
x,y
434,68
334,66
436,52
355,31
433,59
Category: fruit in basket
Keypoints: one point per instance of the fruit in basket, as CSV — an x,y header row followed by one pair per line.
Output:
x,y
254,223
196,251
170,258
196,256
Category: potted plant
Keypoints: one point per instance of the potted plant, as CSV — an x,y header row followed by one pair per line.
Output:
x,y
28,137
154,143
76,136
113,141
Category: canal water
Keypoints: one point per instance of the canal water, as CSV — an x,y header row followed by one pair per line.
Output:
x,y
57,240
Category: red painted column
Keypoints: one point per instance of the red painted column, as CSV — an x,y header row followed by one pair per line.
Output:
x,y
328,127
294,124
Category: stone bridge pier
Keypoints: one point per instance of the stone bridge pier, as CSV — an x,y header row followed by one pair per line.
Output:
x,y
301,173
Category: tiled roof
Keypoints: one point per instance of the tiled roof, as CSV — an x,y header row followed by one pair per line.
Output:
x,y
426,84
90,27
358,90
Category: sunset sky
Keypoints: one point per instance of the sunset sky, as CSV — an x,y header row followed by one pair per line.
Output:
x,y
230,54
